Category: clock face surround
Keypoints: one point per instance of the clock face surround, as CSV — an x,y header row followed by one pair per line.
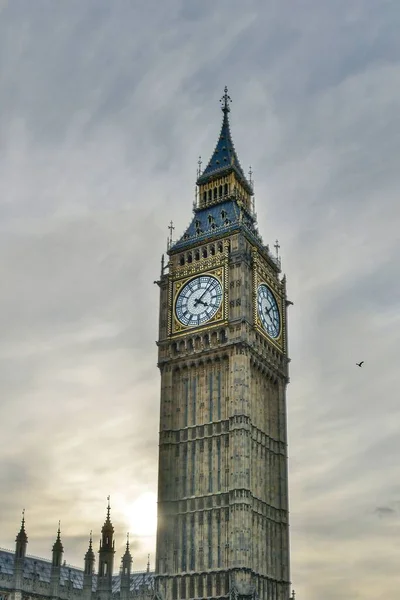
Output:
x,y
268,311
198,300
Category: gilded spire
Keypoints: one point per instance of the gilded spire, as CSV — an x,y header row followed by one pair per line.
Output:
x,y
224,159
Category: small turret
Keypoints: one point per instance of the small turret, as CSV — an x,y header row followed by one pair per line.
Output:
x,y
58,549
56,562
21,542
88,571
126,572
106,558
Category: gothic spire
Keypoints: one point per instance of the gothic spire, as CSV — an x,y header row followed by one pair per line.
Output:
x,y
89,558
22,538
57,546
224,159
107,532
58,549
108,526
127,558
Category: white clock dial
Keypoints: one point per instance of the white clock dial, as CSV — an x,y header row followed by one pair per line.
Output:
x,y
198,300
268,311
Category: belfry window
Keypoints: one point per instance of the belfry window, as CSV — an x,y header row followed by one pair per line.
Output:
x,y
189,257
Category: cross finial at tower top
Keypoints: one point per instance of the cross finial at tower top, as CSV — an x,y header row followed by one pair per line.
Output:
x,y
277,246
148,563
225,100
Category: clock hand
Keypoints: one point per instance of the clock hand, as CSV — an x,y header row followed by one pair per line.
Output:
x,y
206,290
268,311
200,301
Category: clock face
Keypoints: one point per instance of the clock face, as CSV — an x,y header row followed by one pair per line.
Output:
x,y
198,300
268,311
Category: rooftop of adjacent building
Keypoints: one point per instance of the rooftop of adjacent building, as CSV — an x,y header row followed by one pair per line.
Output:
x,y
36,569
39,569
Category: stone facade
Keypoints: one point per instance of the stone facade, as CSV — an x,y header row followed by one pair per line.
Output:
x,y
223,528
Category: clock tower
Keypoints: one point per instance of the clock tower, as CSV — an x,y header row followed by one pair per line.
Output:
x,y
223,526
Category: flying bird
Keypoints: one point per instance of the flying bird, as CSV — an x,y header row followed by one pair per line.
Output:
x,y
360,364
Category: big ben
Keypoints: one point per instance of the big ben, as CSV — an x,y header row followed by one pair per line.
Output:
x,y
223,527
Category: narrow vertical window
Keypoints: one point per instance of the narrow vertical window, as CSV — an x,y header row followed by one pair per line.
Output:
x,y
218,585
210,465
192,546
184,477
209,585
210,401
219,394
219,464
210,558
186,393
191,588
183,543
194,393
193,468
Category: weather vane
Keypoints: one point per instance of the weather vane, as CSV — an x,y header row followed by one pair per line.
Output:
x,y
199,163
225,101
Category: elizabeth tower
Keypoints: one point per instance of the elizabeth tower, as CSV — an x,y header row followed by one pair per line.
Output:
x,y
223,526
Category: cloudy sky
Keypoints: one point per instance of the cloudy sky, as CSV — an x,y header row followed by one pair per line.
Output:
x,y
105,108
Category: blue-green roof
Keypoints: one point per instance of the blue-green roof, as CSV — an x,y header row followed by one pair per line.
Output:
x,y
215,221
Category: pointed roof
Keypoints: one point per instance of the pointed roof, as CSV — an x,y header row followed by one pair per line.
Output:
x,y
108,526
89,556
127,557
224,159
22,538
57,546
